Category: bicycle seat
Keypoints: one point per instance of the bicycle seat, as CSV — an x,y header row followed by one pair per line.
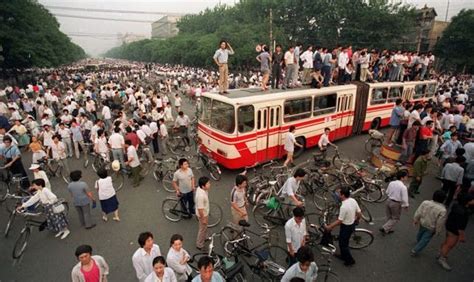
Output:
x,y
272,182
244,223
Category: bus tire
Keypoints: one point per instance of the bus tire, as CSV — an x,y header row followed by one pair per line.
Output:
x,y
299,150
375,124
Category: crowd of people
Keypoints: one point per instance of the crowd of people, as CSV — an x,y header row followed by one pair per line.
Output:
x,y
126,111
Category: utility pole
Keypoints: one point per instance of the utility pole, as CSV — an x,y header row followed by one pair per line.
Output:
x,y
447,9
271,30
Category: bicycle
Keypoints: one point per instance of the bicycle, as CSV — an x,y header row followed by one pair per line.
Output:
x,y
6,192
101,161
22,241
177,144
12,214
325,272
88,153
174,210
270,260
163,171
209,163
54,168
375,140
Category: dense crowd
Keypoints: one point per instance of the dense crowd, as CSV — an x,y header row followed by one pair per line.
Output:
x,y
126,111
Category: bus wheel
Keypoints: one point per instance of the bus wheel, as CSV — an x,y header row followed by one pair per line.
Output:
x,y
375,124
299,150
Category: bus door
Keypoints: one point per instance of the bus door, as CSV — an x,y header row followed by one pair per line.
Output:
x,y
268,133
344,116
407,93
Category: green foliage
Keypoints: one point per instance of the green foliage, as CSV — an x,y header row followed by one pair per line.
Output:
x,y
30,37
456,46
372,24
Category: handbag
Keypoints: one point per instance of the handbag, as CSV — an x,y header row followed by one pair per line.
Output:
x,y
58,207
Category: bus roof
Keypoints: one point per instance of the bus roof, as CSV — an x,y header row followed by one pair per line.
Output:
x,y
400,83
255,95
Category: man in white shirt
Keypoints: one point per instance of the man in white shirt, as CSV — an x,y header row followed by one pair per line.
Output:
x,y
307,58
415,115
289,63
142,259
163,137
342,62
134,162
349,214
295,232
107,116
306,269
324,140
182,122
289,189
202,210
290,143
397,194
117,144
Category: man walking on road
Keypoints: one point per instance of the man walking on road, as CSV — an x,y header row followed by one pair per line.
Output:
x,y
202,210
183,183
133,162
397,199
431,216
349,214
452,176
419,169
220,58
238,200
295,233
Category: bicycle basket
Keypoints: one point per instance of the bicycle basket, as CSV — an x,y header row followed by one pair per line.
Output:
x,y
273,268
273,203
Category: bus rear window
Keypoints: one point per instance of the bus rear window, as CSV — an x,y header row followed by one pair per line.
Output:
x,y
324,104
205,110
246,118
297,109
379,96
222,116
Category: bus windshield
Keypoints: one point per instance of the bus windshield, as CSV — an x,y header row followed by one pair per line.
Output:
x,y
218,115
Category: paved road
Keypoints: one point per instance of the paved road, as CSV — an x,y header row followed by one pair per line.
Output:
x,y
388,259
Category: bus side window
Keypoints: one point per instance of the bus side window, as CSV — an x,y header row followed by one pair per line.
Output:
x,y
379,96
324,104
431,90
419,91
246,119
395,93
297,109
259,120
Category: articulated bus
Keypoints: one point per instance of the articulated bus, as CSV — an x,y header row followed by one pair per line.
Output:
x,y
248,126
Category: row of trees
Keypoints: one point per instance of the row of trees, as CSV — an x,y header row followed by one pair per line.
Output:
x,y
372,24
30,37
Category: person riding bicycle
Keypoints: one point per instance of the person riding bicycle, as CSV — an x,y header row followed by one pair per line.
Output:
x,y
12,156
324,141
182,123
289,189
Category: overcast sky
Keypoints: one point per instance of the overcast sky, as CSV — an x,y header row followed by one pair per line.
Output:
x,y
97,36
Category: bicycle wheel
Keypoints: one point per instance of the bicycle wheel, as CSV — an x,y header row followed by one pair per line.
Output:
x,y
86,160
53,168
371,144
21,243
372,193
327,276
337,162
171,209
278,255
4,187
366,215
321,198
361,238
64,172
167,181
260,213
228,234
98,163
117,180
9,225
215,215
214,172
172,145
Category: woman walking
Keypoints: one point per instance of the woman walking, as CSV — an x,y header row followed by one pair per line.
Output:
x,y
55,219
82,198
108,198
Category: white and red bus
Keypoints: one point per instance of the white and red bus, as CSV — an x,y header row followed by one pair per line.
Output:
x,y
248,126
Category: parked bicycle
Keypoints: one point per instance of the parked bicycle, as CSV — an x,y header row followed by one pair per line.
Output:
x,y
55,168
376,139
174,210
209,163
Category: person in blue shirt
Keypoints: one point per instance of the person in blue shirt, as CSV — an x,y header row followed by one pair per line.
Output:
x,y
12,160
206,271
397,114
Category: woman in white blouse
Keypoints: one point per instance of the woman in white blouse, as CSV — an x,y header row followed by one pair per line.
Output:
x,y
178,258
107,196
56,222
161,273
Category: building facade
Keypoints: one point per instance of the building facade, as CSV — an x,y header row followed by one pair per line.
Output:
x,y
165,27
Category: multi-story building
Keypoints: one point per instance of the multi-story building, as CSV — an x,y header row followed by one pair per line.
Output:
x,y
165,27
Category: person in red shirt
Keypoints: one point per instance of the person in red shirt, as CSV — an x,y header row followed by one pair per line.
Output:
x,y
132,136
424,136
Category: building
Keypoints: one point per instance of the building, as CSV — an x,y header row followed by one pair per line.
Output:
x,y
425,19
165,27
435,33
130,37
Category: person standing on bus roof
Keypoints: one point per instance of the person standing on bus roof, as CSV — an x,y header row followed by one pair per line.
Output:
x,y
290,142
265,60
220,58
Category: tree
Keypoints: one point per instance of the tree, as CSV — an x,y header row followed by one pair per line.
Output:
x,y
30,37
456,45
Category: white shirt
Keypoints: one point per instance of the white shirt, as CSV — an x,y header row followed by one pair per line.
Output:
x,y
64,133
397,191
58,150
132,153
290,142
414,116
45,196
202,201
295,233
41,174
173,260
307,58
143,262
163,130
342,60
101,143
116,141
168,276
105,188
323,140
348,210
106,112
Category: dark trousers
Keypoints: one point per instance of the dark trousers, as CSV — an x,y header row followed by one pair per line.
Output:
x,y
156,148
135,173
341,79
449,187
345,233
187,200
326,71
276,74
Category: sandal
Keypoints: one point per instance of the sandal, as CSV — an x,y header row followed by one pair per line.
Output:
x,y
116,218
104,218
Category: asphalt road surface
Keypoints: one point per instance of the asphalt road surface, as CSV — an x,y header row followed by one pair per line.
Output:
x,y
387,259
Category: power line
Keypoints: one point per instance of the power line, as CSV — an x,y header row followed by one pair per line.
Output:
x,y
114,11
101,18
